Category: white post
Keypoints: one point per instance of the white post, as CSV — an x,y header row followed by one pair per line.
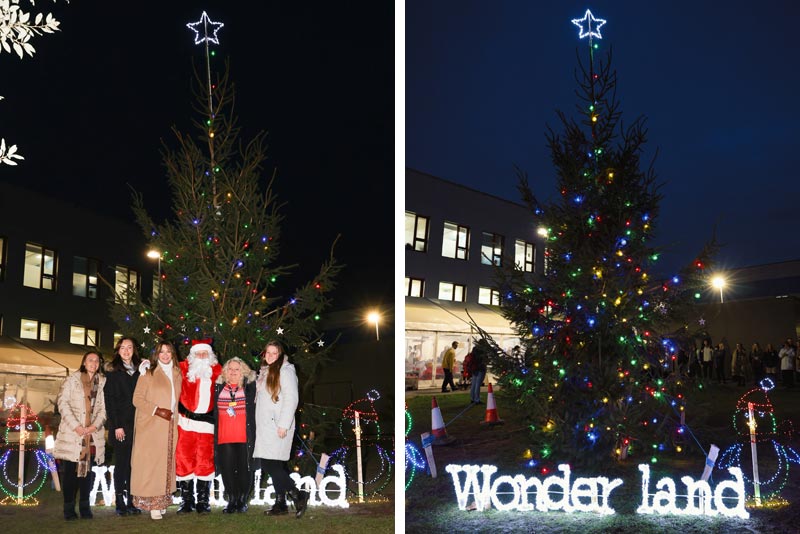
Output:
x,y
21,469
358,459
427,446
711,459
754,454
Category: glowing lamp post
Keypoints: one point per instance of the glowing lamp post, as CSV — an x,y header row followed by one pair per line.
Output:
x,y
156,255
718,282
375,317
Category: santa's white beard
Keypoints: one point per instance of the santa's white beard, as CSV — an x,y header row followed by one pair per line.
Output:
x,y
199,367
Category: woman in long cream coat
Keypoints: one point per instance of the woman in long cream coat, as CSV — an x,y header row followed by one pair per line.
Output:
x,y
276,401
155,432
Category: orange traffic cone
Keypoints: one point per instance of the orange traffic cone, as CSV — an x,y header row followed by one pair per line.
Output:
x,y
438,431
491,410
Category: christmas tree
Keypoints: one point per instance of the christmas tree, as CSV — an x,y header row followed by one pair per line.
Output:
x,y
596,379
219,270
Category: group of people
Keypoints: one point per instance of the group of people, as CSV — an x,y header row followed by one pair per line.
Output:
x,y
709,363
173,425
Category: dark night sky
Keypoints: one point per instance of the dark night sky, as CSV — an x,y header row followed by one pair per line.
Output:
x,y
717,81
89,110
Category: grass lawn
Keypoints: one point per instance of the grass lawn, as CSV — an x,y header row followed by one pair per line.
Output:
x,y
47,517
431,503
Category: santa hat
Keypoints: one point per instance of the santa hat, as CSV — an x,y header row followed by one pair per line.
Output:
x,y
200,345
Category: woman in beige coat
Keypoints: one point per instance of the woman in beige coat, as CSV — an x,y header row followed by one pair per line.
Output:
x,y
155,432
81,437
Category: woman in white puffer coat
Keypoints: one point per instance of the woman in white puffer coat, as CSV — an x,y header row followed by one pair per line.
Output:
x,y
81,437
276,402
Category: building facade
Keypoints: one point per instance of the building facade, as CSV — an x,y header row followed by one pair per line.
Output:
x,y
59,266
455,239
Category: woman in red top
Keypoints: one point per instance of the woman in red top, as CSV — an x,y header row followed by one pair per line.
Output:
x,y
235,432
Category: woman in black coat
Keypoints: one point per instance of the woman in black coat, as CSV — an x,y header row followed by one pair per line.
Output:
x,y
235,432
122,373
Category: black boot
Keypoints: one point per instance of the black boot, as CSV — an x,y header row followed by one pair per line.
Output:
x,y
121,508
242,504
69,511
299,500
233,504
279,508
132,510
85,509
203,491
187,496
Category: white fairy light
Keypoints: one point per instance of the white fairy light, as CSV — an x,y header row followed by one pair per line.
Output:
x,y
592,25
205,21
592,494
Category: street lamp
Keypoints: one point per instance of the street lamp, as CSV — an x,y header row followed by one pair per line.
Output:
x,y
154,254
375,317
718,282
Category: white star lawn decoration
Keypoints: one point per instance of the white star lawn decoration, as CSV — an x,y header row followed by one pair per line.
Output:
x,y
321,343
146,329
591,24
279,330
205,21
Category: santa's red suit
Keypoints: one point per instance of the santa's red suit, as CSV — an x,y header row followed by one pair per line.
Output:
x,y
194,457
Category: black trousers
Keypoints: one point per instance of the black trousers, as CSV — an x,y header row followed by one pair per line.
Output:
x,y
279,472
71,484
122,462
448,379
236,477
788,377
707,368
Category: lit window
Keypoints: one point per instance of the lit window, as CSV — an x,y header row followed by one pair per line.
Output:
x,y
415,287
451,291
524,256
126,284
455,241
84,277
80,335
487,295
492,249
2,258
40,267
117,337
33,329
416,232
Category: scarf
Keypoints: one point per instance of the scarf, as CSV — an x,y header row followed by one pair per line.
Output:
x,y
167,368
90,388
129,368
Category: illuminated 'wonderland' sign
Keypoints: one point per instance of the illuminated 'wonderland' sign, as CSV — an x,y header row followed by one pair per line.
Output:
x,y
591,494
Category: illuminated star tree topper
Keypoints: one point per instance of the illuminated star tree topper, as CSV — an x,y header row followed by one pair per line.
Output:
x,y
206,22
589,26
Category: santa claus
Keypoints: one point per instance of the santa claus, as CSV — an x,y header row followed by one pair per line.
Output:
x,y
194,457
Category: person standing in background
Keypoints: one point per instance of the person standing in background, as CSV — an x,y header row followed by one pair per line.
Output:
x,y
787,357
739,364
479,356
448,363
757,363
